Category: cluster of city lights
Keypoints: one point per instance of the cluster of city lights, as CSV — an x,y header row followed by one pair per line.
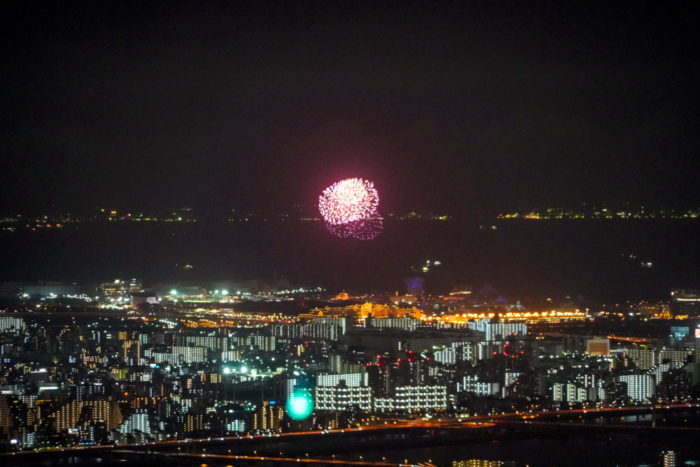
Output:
x,y
528,316
349,208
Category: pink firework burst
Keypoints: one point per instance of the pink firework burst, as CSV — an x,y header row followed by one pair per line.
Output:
x,y
339,230
367,229
364,229
349,200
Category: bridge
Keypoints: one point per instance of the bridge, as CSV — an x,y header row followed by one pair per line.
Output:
x,y
285,449
286,461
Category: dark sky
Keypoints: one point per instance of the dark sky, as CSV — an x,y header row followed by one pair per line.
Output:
x,y
446,106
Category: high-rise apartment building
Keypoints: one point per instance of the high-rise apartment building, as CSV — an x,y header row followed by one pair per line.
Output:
x,y
342,397
411,398
640,387
97,411
498,331
642,358
669,458
268,416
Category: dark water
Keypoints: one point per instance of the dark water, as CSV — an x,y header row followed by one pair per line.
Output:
x,y
540,453
523,258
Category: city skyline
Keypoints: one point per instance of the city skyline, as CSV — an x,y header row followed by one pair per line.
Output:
x,y
307,233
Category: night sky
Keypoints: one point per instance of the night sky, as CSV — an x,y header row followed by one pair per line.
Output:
x,y
454,107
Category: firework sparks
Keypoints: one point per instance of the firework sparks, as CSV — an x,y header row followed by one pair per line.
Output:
x,y
349,208
339,230
364,229
348,201
367,229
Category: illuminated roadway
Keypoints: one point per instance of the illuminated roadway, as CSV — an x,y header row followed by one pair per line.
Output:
x,y
306,460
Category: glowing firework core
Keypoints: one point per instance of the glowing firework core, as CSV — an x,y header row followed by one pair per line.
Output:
x,y
349,200
350,209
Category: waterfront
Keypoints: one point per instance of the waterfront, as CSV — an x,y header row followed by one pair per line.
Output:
x,y
596,259
575,452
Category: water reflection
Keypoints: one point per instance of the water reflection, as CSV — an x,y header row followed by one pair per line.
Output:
x,y
483,463
666,459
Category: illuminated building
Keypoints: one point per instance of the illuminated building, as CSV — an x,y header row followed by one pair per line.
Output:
x,y
383,404
265,343
673,355
411,398
4,414
582,395
137,421
552,316
361,312
237,426
268,416
139,298
350,379
675,385
559,392
140,376
468,351
642,358
586,380
487,350
472,384
100,411
407,324
131,349
306,331
338,365
511,377
13,325
193,422
496,331
446,356
669,458
654,310
340,321
230,356
598,346
67,417
343,397
85,390
677,334
45,289
404,299
189,354
29,400
639,387
685,302
119,292
210,342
